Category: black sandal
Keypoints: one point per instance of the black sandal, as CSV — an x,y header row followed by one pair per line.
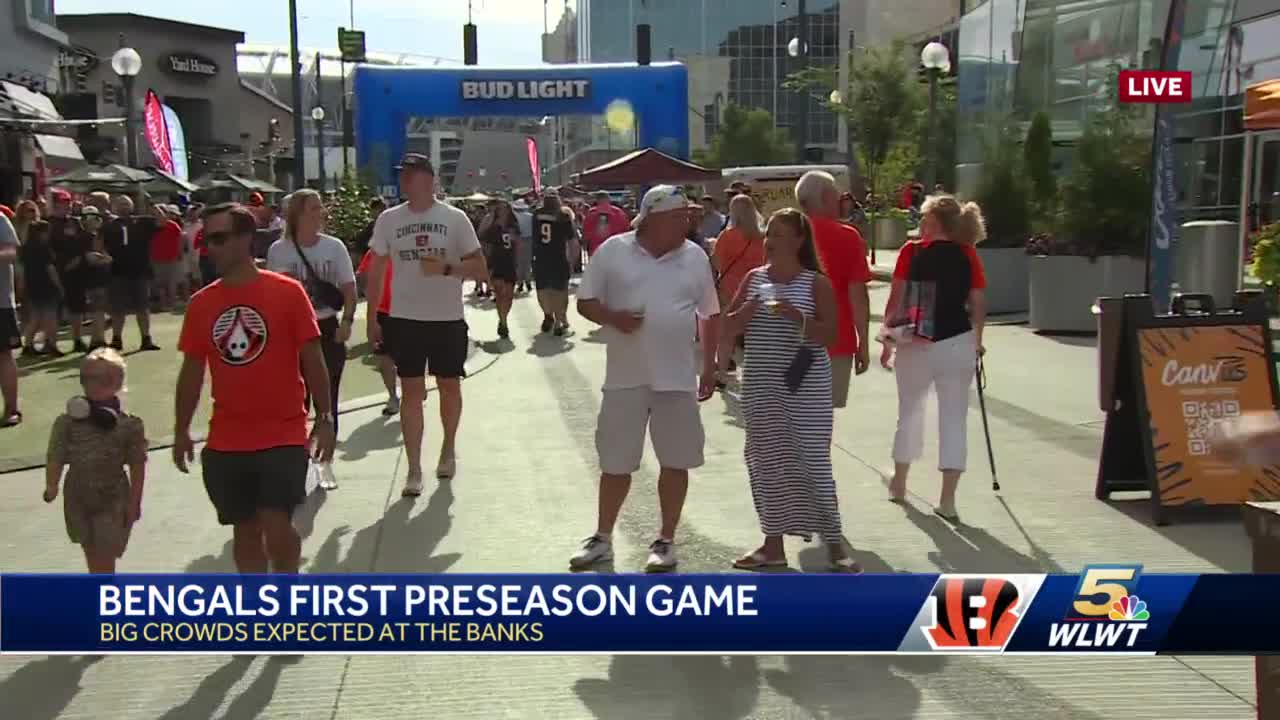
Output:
x,y
11,419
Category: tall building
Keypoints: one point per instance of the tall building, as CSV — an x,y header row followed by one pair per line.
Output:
x,y
737,50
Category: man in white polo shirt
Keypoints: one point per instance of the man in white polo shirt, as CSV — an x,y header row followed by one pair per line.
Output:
x,y
432,248
648,288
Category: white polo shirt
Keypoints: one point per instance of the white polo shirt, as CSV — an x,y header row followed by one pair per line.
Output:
x,y
673,291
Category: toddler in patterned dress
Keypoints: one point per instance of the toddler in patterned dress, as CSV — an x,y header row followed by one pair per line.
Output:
x,y
95,440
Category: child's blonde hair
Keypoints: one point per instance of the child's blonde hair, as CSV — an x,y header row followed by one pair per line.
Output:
x,y
961,223
109,357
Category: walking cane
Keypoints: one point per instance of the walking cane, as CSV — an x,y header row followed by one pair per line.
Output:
x,y
986,430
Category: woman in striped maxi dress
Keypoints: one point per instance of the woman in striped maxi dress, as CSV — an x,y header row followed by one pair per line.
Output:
x,y
788,448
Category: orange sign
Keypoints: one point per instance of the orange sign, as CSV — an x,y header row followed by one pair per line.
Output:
x,y
1196,378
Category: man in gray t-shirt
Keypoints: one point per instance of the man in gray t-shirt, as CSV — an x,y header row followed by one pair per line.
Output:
x,y
10,335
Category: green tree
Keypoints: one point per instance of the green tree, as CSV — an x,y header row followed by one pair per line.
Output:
x,y
746,137
1004,194
1037,155
944,128
349,208
881,105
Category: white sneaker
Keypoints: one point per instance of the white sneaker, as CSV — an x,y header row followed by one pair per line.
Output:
x,y
446,468
662,557
392,407
596,548
327,479
412,485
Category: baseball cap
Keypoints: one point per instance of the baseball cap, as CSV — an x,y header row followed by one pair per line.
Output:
x,y
61,195
255,199
659,199
6,211
416,160
88,210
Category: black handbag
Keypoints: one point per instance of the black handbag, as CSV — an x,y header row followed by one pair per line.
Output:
x,y
798,370
325,292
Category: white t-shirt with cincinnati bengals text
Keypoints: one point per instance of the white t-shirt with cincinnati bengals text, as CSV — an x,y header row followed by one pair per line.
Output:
x,y
406,237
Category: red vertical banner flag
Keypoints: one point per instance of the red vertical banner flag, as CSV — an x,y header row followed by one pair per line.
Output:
x,y
532,146
157,132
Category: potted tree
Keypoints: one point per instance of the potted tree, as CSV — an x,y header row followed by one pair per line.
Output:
x,y
1101,228
1004,195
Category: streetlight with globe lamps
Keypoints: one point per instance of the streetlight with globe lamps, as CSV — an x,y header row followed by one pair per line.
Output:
x,y
127,63
936,59
798,48
317,114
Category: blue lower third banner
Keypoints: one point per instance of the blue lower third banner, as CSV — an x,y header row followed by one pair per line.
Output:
x,y
1107,608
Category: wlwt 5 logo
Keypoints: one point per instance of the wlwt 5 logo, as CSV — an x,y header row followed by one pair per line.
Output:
x,y
1155,86
1106,613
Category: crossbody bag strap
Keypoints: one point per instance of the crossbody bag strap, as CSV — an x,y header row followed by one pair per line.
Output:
x,y
305,262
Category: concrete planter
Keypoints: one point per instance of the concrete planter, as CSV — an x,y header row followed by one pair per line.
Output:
x,y
890,233
1006,270
1062,289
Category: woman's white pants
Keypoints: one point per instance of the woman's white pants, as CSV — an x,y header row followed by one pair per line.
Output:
x,y
948,366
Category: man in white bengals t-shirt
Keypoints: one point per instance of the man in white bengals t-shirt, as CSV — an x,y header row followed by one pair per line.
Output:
x,y
432,247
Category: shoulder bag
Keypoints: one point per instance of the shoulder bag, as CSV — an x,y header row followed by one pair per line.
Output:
x,y
326,293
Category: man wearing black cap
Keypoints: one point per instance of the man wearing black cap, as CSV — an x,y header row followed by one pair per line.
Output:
x,y
432,247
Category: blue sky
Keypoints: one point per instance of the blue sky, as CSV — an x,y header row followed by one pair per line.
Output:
x,y
509,30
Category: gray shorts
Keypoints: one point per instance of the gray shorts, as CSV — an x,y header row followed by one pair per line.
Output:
x,y
841,374
673,421
166,276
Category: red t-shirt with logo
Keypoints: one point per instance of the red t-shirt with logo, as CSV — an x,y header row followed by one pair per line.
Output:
x,y
384,304
166,244
843,255
251,337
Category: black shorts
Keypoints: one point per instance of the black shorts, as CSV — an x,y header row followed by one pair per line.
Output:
x,y
130,295
381,348
240,484
10,333
555,277
502,266
421,346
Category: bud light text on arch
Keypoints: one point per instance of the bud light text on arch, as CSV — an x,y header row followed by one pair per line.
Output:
x,y
478,90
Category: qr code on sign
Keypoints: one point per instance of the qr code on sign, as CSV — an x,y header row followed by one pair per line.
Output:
x,y
1203,420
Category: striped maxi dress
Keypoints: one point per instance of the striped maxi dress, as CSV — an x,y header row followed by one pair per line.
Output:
x,y
788,449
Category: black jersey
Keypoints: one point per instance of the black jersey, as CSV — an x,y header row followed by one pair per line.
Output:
x,y
552,231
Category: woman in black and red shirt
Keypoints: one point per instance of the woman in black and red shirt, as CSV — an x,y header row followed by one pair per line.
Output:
x,y
933,336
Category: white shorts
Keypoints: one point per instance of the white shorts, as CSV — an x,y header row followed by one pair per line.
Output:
x,y
673,421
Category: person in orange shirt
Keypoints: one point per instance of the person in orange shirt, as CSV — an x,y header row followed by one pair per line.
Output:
x,y
386,367
256,332
739,250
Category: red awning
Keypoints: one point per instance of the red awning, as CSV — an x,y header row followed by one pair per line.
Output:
x,y
645,167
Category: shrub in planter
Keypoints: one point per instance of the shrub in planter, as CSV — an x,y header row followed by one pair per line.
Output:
x,y
1266,261
889,227
1102,221
1005,197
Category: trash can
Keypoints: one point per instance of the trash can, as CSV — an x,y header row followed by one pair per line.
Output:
x,y
1262,522
1207,259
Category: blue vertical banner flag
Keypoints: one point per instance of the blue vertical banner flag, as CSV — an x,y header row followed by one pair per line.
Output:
x,y
1164,181
177,143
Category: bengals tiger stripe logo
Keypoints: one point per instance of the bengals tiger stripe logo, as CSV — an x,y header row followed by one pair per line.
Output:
x,y
973,613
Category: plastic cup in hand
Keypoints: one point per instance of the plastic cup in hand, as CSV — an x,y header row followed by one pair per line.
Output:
x,y
769,296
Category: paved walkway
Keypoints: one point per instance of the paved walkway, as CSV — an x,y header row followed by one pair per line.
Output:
x,y
525,494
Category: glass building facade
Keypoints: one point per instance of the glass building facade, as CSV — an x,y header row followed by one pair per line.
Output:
x,y
752,34
1021,57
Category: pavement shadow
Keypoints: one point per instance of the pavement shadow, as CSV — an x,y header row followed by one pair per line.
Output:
x,y
224,562
378,433
398,542
594,336
550,346
967,549
211,691
816,559
679,687
254,700
304,518
831,687
501,346
47,363
42,689
1214,533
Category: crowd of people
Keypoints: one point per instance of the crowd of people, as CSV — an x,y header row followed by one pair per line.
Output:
x,y
688,301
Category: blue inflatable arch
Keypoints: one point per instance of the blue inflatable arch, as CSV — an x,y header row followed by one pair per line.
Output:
x,y
385,99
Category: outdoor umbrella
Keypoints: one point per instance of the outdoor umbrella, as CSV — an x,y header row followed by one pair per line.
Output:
x,y
93,176
164,183
235,183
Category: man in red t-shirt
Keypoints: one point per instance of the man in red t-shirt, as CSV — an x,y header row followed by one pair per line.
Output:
x,y
253,329
386,367
166,252
603,221
843,255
